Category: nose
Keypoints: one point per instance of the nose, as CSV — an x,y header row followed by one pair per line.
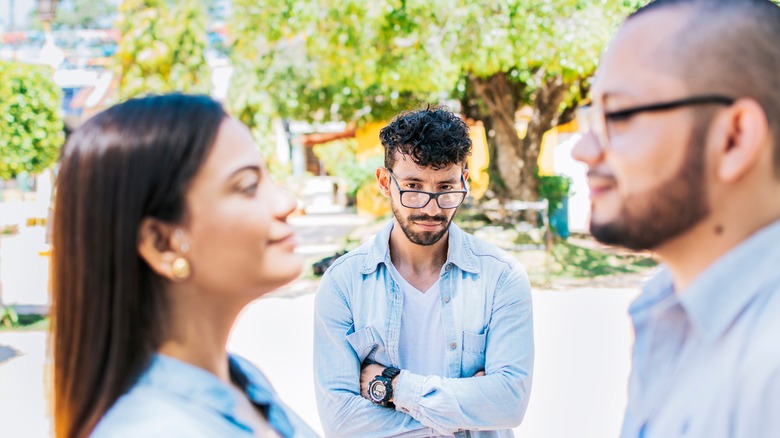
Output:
x,y
432,208
284,203
588,150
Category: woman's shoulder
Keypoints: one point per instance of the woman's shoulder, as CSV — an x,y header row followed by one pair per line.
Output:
x,y
173,398
149,411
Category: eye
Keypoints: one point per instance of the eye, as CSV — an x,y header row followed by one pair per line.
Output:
x,y
249,189
413,186
619,116
446,188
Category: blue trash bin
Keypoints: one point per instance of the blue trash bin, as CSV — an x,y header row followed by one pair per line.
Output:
x,y
559,220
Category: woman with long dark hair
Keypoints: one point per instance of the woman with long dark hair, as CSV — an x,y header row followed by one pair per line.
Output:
x,y
166,225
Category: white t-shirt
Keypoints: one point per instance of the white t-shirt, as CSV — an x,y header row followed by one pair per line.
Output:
x,y
421,346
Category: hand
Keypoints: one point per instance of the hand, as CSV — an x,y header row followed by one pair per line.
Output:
x,y
479,373
367,375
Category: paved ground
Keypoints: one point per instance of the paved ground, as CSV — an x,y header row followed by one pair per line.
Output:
x,y
582,361
582,334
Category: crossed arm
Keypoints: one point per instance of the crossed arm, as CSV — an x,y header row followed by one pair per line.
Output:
x,y
371,371
496,400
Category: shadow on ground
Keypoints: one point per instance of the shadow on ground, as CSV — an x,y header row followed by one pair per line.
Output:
x,y
7,353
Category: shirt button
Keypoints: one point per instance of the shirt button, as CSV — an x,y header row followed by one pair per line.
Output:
x,y
453,345
447,268
446,299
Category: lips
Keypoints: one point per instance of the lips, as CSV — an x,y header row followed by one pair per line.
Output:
x,y
600,184
600,189
287,239
428,225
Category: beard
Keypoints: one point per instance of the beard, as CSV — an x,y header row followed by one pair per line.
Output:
x,y
651,218
423,238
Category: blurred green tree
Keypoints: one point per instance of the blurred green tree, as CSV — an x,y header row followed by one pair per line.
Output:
x,y
353,60
83,14
162,49
31,126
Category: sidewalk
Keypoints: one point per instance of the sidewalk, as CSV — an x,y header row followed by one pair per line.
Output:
x,y
583,342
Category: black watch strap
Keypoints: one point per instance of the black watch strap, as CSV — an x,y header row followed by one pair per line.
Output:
x,y
391,372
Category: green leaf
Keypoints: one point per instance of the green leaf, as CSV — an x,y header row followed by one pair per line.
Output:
x,y
31,129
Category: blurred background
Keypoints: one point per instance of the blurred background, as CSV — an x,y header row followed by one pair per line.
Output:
x,y
315,80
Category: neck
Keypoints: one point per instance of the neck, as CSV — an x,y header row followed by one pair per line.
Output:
x,y
199,329
418,259
692,253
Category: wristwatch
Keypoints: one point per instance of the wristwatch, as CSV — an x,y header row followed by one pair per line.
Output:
x,y
380,390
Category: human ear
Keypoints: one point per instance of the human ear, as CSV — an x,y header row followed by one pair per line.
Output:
x,y
383,178
746,136
158,245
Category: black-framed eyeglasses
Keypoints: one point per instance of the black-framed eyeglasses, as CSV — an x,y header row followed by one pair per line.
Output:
x,y
419,199
594,118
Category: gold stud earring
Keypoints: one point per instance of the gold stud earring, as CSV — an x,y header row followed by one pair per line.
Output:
x,y
180,268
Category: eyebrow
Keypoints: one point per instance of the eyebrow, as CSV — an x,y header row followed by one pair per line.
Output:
x,y
416,179
251,167
614,95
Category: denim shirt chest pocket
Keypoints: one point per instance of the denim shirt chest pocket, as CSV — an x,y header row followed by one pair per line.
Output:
x,y
473,358
368,345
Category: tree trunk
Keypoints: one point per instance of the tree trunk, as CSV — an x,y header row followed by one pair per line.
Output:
x,y
516,158
546,103
497,95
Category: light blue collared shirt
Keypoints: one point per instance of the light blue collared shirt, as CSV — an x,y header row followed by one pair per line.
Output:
x,y
486,314
707,360
176,399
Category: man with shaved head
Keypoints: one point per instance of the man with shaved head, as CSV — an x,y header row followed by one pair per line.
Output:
x,y
682,143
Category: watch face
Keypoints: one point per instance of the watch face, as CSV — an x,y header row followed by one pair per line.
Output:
x,y
377,391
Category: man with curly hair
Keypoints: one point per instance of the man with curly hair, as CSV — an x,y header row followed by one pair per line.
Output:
x,y
425,331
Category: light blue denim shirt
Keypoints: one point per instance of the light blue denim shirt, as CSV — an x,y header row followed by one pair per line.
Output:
x,y
176,399
486,313
707,360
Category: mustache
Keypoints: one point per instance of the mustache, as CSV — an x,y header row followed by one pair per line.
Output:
x,y
426,218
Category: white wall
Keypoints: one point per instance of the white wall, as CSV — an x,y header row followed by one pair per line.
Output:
x,y
579,202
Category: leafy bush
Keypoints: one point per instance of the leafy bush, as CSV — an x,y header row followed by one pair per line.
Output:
x,y
8,316
31,126
11,320
554,188
339,158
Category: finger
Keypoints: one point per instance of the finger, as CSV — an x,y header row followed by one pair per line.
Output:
x,y
479,373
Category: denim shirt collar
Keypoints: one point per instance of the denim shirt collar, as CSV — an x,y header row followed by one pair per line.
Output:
x,y
459,252
204,388
716,298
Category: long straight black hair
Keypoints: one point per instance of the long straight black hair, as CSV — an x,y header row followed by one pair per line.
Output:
x,y
132,161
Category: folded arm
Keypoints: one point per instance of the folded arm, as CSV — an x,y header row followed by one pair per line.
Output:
x,y
498,399
342,410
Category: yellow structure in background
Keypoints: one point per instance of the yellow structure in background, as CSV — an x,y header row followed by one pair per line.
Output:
x,y
547,151
367,137
478,161
370,200
546,155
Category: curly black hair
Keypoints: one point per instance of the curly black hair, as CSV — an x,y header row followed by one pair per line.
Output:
x,y
432,137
